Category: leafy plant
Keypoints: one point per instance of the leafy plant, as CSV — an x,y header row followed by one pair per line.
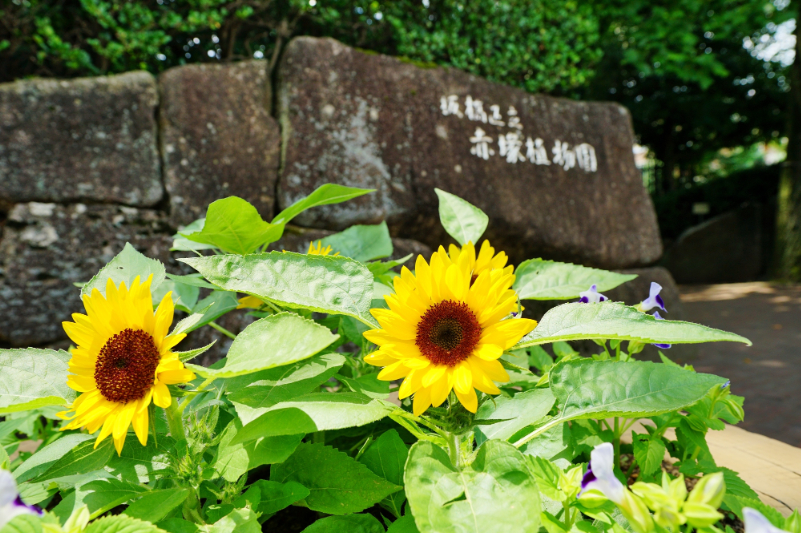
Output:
x,y
486,432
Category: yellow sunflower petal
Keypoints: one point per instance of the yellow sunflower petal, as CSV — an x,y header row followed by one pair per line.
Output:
x,y
411,384
441,388
380,337
164,315
81,383
161,395
108,426
435,372
422,401
394,371
379,358
463,378
140,425
468,399
173,377
488,352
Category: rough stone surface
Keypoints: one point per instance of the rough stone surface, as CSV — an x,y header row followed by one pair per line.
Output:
x,y
88,139
724,249
217,137
48,247
374,121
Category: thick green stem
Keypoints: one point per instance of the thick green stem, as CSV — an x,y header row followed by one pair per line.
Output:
x,y
175,421
454,451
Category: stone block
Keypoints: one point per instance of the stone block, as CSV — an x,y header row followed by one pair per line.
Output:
x,y
91,139
46,248
725,249
217,137
556,177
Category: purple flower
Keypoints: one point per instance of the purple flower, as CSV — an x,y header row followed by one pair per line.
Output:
x,y
600,474
592,296
654,300
658,317
755,522
11,504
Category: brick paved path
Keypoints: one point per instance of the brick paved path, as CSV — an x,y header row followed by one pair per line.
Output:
x,y
768,373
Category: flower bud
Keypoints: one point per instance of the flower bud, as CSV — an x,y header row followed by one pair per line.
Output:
x,y
709,490
636,512
592,498
700,515
793,522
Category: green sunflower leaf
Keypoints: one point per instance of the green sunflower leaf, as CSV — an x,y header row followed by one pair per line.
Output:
x,y
601,389
276,496
335,285
276,385
122,524
84,457
337,483
614,320
634,389
233,225
234,460
495,494
126,266
155,505
324,195
462,220
354,523
524,409
538,279
45,457
309,413
386,457
31,378
273,341
362,243
404,524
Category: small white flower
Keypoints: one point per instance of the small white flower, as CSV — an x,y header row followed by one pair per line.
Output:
x,y
592,296
654,300
600,474
11,504
755,522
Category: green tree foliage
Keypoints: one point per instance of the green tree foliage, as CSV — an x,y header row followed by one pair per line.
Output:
x,y
533,44
682,70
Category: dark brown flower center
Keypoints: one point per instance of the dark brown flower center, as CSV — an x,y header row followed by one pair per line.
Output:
x,y
126,366
448,333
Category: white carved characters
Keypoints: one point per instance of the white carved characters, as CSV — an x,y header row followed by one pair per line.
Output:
x,y
511,144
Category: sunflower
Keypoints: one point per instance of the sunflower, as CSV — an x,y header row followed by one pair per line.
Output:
x,y
446,329
251,302
486,259
122,361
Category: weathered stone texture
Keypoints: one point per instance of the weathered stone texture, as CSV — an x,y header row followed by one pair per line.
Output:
x,y
48,247
724,249
374,121
217,137
87,139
